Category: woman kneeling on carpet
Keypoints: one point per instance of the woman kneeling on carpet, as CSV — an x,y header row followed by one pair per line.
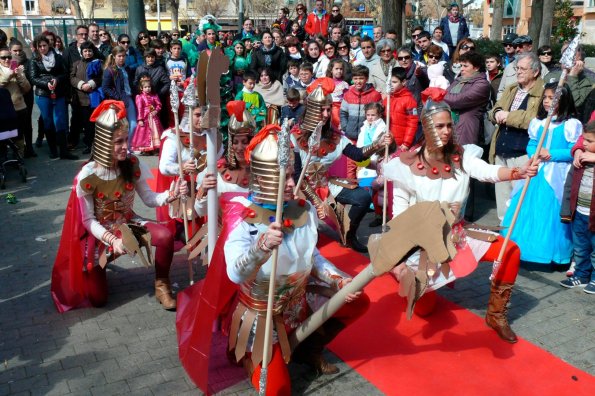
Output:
x,y
100,213
440,170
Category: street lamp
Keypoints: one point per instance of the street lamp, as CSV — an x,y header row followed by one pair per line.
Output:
x,y
148,8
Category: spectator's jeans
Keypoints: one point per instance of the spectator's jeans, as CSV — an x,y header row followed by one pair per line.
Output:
x,y
504,189
584,247
54,113
360,200
131,116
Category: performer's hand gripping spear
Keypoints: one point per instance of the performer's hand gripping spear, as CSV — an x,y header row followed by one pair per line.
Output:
x,y
567,61
174,100
283,160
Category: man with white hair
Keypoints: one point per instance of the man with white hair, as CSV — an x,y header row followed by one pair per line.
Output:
x,y
512,113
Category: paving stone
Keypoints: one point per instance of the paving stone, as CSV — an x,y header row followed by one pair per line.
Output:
x,y
28,384
145,381
115,388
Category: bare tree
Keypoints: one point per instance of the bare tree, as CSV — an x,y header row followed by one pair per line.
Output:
x,y
545,34
174,7
536,21
496,32
393,17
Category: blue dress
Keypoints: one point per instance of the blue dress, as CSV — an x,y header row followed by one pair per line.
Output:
x,y
540,234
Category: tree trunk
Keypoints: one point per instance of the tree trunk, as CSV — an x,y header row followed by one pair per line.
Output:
x,y
496,32
535,24
393,17
174,6
136,17
77,10
545,34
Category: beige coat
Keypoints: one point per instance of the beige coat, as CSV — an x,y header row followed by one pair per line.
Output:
x,y
17,86
518,118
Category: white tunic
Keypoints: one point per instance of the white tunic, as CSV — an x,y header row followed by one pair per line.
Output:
x,y
200,205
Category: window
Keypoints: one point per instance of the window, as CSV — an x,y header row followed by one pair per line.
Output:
x,y
162,6
119,5
30,6
508,29
99,3
5,6
512,8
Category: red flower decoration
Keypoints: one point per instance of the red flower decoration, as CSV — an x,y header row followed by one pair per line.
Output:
x,y
435,170
301,202
447,168
251,214
456,158
100,195
287,223
129,186
420,166
227,177
88,186
117,194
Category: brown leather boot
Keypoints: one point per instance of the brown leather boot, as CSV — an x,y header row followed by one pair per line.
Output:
x,y
496,316
314,359
163,294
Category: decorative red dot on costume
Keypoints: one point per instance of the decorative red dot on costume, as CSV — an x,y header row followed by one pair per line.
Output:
x,y
134,160
420,166
88,186
244,182
251,214
323,151
100,195
137,174
187,141
304,143
287,223
117,194
227,177
301,202
332,147
89,266
435,170
456,158
219,165
298,132
129,186
447,168
110,249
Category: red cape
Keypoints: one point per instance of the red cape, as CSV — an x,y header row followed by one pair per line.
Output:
x,y
68,288
202,303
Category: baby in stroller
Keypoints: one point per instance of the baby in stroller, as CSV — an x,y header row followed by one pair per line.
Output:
x,y
9,137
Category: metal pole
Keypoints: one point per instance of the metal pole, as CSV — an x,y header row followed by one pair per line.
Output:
x,y
240,16
158,17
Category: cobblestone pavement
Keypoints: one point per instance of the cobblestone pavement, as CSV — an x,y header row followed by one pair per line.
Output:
x,y
129,346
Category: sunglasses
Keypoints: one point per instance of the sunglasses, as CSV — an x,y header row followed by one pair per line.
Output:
x,y
386,51
335,10
466,47
546,53
403,58
510,45
103,34
433,56
329,49
342,47
143,37
414,35
124,42
5,57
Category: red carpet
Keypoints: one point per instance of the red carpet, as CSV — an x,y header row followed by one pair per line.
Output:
x,y
450,352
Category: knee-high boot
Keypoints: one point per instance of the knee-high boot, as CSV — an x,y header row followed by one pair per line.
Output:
x,y
310,350
496,316
63,145
50,136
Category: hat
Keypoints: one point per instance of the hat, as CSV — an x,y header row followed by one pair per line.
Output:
x,y
109,118
524,39
433,141
509,38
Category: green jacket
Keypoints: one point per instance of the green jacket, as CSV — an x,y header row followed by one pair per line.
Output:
x,y
580,86
518,118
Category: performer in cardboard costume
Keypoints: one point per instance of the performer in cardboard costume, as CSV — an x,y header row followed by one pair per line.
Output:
x,y
243,255
440,170
233,172
327,192
100,221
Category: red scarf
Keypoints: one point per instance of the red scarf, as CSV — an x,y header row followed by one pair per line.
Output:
x,y
453,19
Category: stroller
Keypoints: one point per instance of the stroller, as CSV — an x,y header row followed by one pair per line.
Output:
x,y
8,132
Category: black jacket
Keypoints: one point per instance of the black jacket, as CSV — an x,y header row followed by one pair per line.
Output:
x,y
159,78
278,64
72,54
40,77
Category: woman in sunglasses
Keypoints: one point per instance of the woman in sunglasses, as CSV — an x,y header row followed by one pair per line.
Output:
x,y
142,41
379,71
453,68
302,17
106,42
133,58
546,57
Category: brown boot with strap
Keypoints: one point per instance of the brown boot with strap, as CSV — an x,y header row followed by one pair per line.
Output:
x,y
164,295
496,316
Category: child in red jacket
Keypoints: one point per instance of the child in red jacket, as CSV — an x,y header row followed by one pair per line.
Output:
x,y
403,111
